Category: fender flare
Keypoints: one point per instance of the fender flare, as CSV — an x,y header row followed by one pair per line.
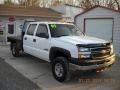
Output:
x,y
54,50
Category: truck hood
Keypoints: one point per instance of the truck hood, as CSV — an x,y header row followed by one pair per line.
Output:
x,y
81,40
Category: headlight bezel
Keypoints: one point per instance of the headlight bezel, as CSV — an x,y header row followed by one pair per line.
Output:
x,y
84,53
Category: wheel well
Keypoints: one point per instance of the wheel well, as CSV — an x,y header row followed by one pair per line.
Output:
x,y
17,45
59,54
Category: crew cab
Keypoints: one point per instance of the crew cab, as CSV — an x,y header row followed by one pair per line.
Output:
x,y
64,46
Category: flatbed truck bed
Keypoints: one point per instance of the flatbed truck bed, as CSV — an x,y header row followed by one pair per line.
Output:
x,y
15,38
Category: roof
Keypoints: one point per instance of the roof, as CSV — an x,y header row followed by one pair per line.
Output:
x,y
50,22
73,6
17,10
94,8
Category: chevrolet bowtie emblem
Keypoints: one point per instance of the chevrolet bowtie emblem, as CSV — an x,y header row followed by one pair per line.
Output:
x,y
103,51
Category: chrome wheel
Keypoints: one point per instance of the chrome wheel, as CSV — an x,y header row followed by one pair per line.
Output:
x,y
59,70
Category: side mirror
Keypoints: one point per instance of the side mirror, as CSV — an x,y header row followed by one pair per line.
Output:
x,y
43,35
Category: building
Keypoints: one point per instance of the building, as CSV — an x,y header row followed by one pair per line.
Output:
x,y
101,22
12,18
69,11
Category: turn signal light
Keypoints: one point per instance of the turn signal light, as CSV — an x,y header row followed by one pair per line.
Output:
x,y
83,56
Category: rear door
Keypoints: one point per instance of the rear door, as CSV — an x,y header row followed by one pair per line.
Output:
x,y
28,43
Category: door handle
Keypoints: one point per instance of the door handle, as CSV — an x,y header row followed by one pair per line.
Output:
x,y
34,40
25,38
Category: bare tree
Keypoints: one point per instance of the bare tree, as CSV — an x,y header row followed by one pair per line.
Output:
x,y
27,3
118,4
56,2
8,2
86,4
114,4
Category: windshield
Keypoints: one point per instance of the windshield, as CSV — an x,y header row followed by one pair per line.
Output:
x,y
58,30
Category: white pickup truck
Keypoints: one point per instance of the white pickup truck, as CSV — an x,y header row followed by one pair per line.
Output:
x,y
63,45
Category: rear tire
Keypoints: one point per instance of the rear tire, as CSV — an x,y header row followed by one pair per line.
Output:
x,y
60,69
15,50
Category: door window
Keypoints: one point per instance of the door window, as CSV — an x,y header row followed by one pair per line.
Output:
x,y
11,28
31,29
42,31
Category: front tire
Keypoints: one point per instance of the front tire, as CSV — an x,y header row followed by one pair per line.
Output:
x,y
60,69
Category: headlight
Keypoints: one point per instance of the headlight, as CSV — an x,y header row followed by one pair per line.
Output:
x,y
111,46
84,53
82,49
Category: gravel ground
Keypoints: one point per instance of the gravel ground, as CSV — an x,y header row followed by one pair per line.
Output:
x,y
10,79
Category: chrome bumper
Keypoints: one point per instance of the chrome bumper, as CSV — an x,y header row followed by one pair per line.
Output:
x,y
96,66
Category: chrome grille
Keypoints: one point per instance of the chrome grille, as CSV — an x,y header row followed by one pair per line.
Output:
x,y
100,52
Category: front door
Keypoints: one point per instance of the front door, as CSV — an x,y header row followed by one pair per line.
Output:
x,y
42,42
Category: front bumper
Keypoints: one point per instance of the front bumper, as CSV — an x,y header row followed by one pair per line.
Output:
x,y
93,64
